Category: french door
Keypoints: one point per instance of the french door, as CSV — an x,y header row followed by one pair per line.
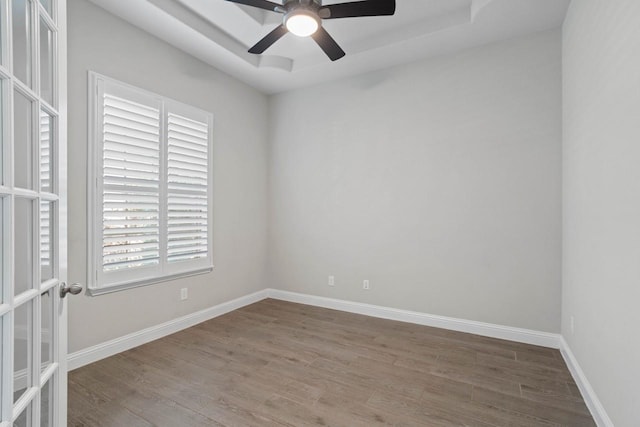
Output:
x,y
33,212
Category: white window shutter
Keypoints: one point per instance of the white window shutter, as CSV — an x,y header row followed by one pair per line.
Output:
x,y
130,184
187,189
150,216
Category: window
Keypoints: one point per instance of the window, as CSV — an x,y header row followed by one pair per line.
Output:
x,y
151,177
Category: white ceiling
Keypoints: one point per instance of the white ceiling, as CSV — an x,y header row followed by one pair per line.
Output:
x,y
219,33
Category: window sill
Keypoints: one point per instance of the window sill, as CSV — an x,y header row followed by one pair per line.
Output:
x,y
94,292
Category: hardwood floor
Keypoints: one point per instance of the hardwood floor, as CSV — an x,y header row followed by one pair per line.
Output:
x,y
278,363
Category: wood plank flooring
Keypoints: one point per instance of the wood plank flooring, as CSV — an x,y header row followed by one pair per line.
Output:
x,y
281,364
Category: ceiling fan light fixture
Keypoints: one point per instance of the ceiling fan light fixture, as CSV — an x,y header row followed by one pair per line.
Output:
x,y
302,23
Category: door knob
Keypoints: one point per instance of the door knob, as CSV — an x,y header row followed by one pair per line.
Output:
x,y
74,289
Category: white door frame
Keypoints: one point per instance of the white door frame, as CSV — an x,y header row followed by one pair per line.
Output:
x,y
61,80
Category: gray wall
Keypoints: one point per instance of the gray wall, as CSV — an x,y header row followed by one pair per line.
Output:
x,y
101,42
601,225
439,181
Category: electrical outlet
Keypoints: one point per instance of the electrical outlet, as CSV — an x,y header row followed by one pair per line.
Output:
x,y
365,285
572,325
184,294
332,281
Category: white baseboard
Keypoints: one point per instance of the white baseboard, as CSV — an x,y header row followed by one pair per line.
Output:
x,y
118,345
588,394
527,336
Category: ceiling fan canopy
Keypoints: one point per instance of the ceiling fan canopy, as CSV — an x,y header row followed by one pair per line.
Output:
x,y
304,18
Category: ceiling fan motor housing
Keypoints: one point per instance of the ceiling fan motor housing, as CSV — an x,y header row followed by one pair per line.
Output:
x,y
312,3
314,6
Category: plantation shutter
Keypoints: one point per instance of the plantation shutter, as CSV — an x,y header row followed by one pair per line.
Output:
x,y
130,184
187,188
151,211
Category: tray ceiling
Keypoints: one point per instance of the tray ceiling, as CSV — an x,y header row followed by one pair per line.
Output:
x,y
219,33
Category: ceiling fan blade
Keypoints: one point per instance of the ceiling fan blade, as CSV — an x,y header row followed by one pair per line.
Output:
x,y
268,40
262,4
358,8
328,44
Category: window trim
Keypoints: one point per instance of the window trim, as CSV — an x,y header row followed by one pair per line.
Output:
x,y
142,277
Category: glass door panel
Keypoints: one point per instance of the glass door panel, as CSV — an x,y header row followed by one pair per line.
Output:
x,y
22,349
46,62
46,407
23,260
25,419
47,155
22,40
46,241
32,214
2,145
23,137
4,240
47,4
46,330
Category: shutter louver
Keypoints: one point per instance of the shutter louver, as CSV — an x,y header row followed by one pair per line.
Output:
x,y
45,184
45,234
45,151
187,183
130,180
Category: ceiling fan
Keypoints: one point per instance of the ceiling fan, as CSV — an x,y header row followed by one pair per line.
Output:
x,y
304,18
